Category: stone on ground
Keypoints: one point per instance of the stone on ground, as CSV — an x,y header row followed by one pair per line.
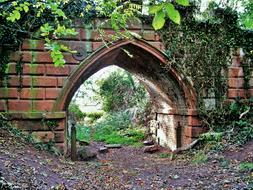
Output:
x,y
84,154
103,150
151,149
148,142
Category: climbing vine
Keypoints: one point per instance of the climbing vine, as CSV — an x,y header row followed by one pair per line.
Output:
x,y
202,48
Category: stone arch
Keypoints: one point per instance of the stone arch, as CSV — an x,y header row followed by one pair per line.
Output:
x,y
173,95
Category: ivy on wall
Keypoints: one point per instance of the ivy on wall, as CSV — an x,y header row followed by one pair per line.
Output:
x,y
202,49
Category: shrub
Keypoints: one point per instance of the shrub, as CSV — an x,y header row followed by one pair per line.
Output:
x,y
120,91
75,111
93,116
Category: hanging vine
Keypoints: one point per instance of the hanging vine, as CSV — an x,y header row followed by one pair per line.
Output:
x,y
202,49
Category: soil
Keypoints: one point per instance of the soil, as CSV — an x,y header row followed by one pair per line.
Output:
x,y
126,168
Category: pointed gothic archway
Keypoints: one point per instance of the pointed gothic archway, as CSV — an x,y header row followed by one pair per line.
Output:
x,y
173,96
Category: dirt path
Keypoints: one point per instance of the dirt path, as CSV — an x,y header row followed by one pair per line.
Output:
x,y
124,168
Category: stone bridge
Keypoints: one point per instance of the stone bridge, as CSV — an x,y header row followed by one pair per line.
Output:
x,y
38,103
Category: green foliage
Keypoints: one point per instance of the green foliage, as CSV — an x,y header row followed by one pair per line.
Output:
x,y
93,116
83,132
166,9
51,124
165,155
119,92
75,111
199,158
183,2
116,129
246,166
211,136
113,128
51,20
204,42
247,16
121,137
232,124
113,121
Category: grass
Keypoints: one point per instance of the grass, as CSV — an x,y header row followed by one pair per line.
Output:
x,y
111,135
127,136
112,128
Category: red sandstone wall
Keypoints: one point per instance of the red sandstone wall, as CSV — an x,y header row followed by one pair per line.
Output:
x,y
42,83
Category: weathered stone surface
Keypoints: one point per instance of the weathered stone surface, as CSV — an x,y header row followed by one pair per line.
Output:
x,y
85,153
44,136
103,150
148,142
151,149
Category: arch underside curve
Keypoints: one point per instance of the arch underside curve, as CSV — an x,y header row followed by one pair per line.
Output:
x,y
173,97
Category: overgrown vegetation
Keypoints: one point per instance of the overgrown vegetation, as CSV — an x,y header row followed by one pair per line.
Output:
x,y
205,41
123,101
75,112
120,91
112,128
27,138
233,123
230,127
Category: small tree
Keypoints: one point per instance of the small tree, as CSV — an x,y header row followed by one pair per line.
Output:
x,y
120,91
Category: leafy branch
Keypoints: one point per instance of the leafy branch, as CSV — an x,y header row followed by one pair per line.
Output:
x,y
166,9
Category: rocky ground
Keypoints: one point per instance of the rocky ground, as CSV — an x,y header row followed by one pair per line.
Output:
x,y
24,167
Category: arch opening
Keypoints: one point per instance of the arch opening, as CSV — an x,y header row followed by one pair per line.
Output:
x,y
172,96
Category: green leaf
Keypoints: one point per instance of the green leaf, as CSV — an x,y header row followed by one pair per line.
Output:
x,y
155,8
183,2
26,8
173,14
158,20
16,14
46,29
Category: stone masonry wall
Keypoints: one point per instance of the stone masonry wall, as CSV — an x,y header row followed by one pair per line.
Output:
x,y
29,102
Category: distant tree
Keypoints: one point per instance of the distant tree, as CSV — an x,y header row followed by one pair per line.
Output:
x,y
119,92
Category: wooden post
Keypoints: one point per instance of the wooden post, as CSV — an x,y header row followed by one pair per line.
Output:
x,y
73,143
179,135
